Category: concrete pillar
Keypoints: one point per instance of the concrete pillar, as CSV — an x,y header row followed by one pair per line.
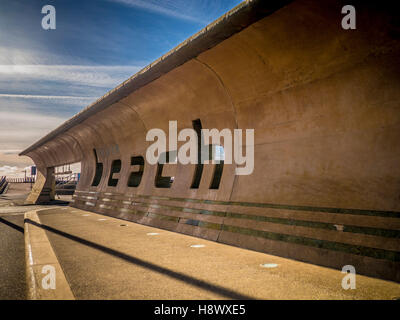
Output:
x,y
44,188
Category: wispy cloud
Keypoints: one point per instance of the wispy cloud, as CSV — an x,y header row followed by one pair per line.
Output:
x,y
101,76
31,96
37,98
47,76
176,9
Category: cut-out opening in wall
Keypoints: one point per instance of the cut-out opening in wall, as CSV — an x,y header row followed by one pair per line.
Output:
x,y
217,153
217,157
68,172
99,170
66,179
136,176
115,168
169,157
199,166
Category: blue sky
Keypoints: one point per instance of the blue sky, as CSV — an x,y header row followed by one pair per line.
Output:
x,y
46,76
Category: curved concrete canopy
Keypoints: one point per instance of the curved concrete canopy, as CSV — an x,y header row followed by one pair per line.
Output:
x,y
324,105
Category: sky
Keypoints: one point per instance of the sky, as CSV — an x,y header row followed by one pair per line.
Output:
x,y
47,76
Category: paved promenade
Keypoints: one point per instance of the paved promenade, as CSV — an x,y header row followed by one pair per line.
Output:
x,y
12,247
12,257
107,258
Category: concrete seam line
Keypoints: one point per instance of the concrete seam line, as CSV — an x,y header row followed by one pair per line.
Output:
x,y
37,254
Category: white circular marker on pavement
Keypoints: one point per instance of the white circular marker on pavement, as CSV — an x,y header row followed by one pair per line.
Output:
x,y
268,265
152,234
197,246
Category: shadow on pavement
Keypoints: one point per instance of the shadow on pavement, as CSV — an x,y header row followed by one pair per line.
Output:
x,y
170,273
12,225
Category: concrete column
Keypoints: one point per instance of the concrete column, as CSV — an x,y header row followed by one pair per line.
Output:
x,y
44,188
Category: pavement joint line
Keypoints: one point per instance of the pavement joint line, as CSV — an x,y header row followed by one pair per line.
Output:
x,y
34,259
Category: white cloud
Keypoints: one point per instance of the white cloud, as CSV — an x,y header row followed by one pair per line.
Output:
x,y
26,117
4,170
20,129
9,161
101,76
27,55
14,171
181,9
32,96
10,151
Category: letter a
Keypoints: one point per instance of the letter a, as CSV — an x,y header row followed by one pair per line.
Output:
x,y
349,20
349,280
49,20
49,280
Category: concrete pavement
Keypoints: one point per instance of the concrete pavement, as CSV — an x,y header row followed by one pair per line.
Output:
x,y
12,247
16,194
12,260
108,258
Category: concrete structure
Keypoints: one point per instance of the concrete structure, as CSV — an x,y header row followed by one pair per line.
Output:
x,y
324,103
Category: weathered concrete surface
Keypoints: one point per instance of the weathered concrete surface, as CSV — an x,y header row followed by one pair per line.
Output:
x,y
324,103
104,260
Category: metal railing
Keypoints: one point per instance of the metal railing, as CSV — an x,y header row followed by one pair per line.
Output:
x,y
72,178
21,180
67,185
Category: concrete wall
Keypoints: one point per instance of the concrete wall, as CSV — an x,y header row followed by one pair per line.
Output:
x,y
324,103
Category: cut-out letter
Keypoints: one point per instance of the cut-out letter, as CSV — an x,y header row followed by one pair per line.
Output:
x,y
136,176
99,171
